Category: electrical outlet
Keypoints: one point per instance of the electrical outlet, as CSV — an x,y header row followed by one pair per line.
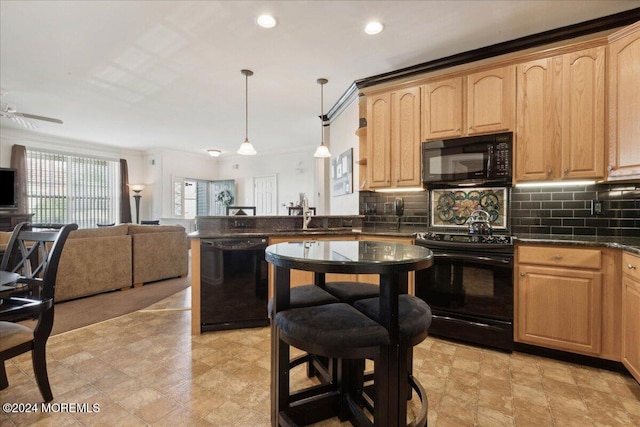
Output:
x,y
597,207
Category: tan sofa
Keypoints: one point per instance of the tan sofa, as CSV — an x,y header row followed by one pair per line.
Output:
x,y
159,252
102,259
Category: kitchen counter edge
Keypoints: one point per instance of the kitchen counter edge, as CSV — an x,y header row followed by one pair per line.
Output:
x,y
629,244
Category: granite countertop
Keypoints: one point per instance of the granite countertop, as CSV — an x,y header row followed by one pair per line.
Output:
x,y
246,232
631,244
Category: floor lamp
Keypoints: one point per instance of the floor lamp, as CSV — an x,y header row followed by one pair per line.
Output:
x,y
137,188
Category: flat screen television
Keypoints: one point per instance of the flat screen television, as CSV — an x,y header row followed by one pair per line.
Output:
x,y
8,193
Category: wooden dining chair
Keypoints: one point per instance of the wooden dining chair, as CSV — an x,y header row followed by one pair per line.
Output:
x,y
33,254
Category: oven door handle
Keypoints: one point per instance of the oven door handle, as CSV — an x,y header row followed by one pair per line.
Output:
x,y
480,259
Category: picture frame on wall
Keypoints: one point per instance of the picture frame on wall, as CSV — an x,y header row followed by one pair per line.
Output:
x,y
342,173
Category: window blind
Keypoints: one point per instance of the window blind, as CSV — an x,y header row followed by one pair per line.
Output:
x,y
64,188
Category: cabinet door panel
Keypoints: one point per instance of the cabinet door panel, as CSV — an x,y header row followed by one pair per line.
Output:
x,y
631,326
405,137
560,308
583,117
378,140
442,109
624,106
491,100
539,112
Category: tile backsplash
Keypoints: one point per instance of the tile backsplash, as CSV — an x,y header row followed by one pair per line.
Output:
x,y
536,210
567,210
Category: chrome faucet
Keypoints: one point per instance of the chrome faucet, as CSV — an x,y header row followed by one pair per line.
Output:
x,y
306,213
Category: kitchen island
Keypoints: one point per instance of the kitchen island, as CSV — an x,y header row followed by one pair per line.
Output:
x,y
276,229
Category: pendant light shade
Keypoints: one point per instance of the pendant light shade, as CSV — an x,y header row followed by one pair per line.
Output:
x,y
322,151
246,149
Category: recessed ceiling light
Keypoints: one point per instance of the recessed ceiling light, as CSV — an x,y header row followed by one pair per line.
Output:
x,y
373,28
214,152
266,21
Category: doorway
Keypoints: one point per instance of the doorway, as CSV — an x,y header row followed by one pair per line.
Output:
x,y
265,194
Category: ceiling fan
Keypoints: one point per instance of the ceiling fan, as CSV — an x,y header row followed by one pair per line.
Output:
x,y
10,112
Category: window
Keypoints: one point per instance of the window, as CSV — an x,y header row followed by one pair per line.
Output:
x,y
65,188
199,197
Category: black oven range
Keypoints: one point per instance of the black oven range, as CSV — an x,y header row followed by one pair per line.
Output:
x,y
469,287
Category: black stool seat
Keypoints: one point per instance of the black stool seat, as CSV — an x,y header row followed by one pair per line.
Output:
x,y
306,296
333,330
414,316
351,292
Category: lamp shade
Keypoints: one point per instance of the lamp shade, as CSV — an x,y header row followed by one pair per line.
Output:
x,y
322,151
136,188
246,149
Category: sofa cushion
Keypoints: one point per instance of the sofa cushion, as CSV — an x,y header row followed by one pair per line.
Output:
x,y
159,252
93,265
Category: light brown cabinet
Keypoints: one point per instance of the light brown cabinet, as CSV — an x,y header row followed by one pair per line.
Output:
x,y
558,298
560,117
477,103
631,313
624,104
442,109
393,139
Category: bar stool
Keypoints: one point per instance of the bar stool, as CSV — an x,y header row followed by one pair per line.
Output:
x,y
309,296
339,332
414,320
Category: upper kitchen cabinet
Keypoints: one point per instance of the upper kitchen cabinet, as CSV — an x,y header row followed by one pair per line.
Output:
x,y
491,100
393,139
538,117
481,102
560,117
442,109
624,104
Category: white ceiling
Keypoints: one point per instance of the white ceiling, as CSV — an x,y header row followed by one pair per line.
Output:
x,y
166,74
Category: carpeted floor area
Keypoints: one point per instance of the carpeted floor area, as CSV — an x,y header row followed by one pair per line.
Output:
x,y
86,311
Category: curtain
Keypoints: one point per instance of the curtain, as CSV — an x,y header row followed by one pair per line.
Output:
x,y
125,203
19,163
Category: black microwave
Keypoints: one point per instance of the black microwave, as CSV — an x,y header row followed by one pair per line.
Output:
x,y
474,160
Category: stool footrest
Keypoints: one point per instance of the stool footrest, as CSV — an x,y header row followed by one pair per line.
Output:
x,y
311,410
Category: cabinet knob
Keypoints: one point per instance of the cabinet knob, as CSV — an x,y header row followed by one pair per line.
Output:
x,y
609,168
549,171
457,129
557,256
523,274
470,127
566,170
631,267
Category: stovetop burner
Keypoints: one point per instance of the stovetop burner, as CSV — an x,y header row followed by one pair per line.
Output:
x,y
464,238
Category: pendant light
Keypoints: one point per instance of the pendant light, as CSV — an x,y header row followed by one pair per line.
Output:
x,y
246,149
322,151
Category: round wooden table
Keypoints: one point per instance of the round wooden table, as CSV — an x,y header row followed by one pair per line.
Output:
x,y
393,262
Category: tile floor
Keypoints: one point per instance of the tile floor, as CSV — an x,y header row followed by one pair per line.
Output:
x,y
145,369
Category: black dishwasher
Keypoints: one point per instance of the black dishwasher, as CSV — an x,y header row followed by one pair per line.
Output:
x,y
233,283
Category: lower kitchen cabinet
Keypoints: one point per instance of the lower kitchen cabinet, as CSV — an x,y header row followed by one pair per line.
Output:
x,y
558,298
631,313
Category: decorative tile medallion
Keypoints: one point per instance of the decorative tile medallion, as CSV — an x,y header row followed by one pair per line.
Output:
x,y
452,207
